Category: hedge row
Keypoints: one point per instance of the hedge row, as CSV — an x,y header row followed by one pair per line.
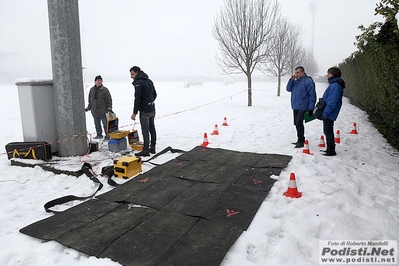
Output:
x,y
372,83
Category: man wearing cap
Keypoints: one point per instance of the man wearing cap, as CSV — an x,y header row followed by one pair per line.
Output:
x,y
100,102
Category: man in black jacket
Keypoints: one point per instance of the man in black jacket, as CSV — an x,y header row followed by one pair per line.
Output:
x,y
144,97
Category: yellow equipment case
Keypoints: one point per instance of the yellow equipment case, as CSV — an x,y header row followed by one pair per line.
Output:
x,y
134,140
127,167
113,129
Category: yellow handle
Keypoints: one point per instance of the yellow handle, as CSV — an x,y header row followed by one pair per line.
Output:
x,y
33,153
15,154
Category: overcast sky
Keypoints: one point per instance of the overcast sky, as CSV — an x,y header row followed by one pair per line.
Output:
x,y
164,38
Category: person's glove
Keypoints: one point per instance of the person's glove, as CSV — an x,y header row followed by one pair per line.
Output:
x,y
310,112
110,111
87,109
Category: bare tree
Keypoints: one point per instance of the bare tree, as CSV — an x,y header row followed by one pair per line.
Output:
x,y
243,29
295,51
298,55
309,63
278,57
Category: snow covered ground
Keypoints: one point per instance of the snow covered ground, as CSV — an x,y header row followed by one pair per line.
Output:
x,y
352,196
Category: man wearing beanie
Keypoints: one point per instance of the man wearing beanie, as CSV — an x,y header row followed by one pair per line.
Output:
x,y
100,102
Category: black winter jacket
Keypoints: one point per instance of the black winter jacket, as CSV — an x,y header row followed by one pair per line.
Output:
x,y
144,94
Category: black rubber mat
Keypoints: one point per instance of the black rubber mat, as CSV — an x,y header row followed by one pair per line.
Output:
x,y
259,178
67,221
245,159
273,160
168,168
204,245
192,202
161,192
227,174
196,154
219,156
144,243
188,211
132,187
196,171
236,206
104,231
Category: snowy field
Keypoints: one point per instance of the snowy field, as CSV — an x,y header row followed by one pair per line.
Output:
x,y
352,196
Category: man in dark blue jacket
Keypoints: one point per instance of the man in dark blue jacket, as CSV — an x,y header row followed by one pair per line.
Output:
x,y
333,99
303,99
144,97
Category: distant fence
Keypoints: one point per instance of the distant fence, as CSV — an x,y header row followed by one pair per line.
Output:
x,y
192,81
228,80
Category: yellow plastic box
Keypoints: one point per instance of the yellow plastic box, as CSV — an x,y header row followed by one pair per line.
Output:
x,y
113,129
127,167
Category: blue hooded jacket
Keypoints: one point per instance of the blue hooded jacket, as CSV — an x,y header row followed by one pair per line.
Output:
x,y
303,93
333,97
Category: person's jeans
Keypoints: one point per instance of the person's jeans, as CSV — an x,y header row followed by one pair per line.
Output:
x,y
298,122
97,124
148,128
328,130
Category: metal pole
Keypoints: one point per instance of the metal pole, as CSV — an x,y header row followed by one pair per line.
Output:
x,y
313,9
67,77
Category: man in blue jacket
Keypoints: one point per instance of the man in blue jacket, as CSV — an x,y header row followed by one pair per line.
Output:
x,y
333,99
303,99
144,97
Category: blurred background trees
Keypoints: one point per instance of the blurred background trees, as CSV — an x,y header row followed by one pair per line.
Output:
x,y
252,35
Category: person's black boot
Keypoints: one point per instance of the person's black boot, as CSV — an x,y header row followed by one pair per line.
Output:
x,y
330,152
152,150
299,145
143,153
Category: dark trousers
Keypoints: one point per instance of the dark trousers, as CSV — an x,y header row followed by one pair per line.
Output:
x,y
298,122
328,129
147,129
97,124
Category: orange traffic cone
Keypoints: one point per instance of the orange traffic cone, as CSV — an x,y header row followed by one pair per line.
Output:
x,y
337,138
322,143
292,190
306,148
354,130
205,143
215,131
225,122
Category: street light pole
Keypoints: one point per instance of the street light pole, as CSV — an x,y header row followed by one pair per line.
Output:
x,y
313,9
